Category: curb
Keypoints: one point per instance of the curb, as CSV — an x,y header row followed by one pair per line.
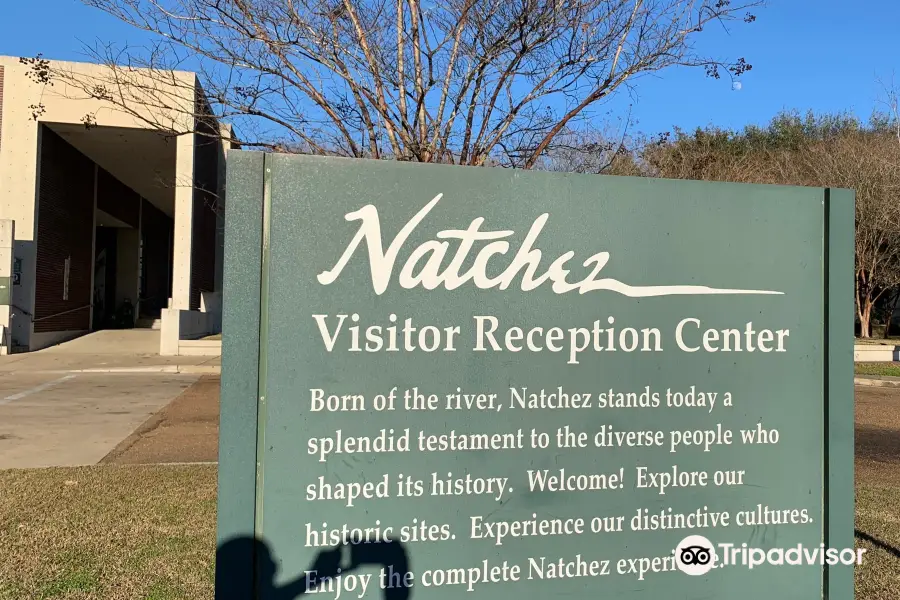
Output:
x,y
873,382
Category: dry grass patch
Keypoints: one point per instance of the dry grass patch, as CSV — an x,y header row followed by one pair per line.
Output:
x,y
878,492
887,369
891,341
878,530
148,532
108,532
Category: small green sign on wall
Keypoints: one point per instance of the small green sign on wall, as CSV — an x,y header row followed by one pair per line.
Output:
x,y
17,271
447,382
5,291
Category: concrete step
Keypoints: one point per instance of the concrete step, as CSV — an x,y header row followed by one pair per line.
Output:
x,y
201,343
148,324
200,347
875,353
182,351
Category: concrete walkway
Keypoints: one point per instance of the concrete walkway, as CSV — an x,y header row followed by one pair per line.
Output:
x,y
876,381
76,419
143,342
117,351
74,403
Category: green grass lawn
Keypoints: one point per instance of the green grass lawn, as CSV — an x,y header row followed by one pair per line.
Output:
x,y
889,369
117,533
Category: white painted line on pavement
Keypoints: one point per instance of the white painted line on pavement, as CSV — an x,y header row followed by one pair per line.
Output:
x,y
36,389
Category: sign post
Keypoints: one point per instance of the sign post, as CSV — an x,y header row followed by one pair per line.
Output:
x,y
447,382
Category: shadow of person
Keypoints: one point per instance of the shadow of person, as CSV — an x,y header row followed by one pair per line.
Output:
x,y
235,579
390,556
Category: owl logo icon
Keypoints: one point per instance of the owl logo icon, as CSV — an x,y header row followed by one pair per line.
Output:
x,y
695,555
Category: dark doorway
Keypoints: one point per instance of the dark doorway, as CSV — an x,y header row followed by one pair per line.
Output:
x,y
155,261
105,277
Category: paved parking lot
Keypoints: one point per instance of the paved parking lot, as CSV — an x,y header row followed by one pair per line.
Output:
x,y
54,419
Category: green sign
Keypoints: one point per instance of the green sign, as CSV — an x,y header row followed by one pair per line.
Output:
x,y
447,382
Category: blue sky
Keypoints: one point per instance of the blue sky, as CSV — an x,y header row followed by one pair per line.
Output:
x,y
806,54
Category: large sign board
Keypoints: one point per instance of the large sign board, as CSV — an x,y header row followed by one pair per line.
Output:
x,y
451,382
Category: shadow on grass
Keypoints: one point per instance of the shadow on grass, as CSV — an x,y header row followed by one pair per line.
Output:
x,y
876,542
246,568
881,444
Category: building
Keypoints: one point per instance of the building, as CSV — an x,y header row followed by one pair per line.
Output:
x,y
111,207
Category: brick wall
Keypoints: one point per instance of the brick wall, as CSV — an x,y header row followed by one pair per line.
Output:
x,y
65,230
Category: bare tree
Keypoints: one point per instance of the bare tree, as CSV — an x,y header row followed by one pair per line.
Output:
x,y
890,120
829,151
462,81
891,102
590,149
869,165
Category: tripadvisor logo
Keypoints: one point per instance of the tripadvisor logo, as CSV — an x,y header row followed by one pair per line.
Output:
x,y
696,555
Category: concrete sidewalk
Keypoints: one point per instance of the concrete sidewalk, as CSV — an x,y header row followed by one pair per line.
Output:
x,y
876,381
74,403
119,351
76,419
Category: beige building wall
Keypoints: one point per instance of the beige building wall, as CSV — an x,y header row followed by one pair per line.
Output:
x,y
24,103
7,236
18,173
